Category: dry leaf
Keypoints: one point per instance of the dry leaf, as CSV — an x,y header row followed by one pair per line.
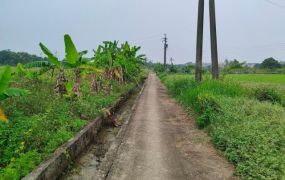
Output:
x,y
106,112
3,118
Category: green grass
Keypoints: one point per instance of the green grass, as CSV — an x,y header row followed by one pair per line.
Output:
x,y
40,122
258,78
248,125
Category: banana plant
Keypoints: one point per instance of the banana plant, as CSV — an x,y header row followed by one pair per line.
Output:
x,y
24,72
104,58
52,64
130,61
95,75
6,92
120,63
74,59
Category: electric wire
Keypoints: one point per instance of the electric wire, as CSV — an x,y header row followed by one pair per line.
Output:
x,y
275,4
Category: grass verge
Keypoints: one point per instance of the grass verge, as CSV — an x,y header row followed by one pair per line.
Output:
x,y
248,125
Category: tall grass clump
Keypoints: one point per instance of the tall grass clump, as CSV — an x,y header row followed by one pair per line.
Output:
x,y
248,125
201,96
269,94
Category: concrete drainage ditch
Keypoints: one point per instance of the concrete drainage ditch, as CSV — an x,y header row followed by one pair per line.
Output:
x,y
90,151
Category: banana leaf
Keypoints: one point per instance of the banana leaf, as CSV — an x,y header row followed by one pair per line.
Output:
x,y
52,58
3,118
71,53
13,92
5,79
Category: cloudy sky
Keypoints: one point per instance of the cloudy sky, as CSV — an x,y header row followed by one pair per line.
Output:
x,y
249,30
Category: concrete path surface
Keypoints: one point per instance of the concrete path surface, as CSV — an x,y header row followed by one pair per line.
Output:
x,y
162,142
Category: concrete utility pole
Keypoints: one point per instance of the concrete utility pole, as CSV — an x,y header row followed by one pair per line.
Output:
x,y
199,47
171,61
165,49
214,46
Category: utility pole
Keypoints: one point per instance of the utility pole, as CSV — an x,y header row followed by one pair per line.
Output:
x,y
199,47
214,46
165,49
171,60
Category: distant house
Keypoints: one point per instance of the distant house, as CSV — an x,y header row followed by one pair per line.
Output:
x,y
251,65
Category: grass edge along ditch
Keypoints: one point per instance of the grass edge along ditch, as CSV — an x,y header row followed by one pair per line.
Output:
x,y
247,125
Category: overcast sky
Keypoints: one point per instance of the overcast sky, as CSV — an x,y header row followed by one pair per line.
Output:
x,y
249,30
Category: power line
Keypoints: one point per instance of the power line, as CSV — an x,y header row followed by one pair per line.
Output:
x,y
260,47
147,38
275,4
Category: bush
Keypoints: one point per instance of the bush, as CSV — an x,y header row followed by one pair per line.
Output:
x,y
208,107
268,94
21,166
201,96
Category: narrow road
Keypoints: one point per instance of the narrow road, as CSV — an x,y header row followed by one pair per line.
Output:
x,y
162,142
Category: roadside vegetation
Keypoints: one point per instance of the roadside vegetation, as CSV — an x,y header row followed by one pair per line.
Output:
x,y
247,123
45,103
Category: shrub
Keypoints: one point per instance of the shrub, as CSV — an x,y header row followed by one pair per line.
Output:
x,y
201,96
268,94
21,166
208,107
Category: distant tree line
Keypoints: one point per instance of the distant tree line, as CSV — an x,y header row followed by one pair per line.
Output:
x,y
269,65
187,68
8,57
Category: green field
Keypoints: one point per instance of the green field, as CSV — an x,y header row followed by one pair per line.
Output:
x,y
247,123
275,79
258,78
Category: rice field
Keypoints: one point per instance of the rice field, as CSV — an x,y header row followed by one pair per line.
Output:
x,y
258,78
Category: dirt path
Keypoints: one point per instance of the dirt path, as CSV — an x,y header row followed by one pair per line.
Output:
x,y
161,142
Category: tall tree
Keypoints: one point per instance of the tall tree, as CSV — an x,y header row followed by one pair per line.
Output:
x,y
270,63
